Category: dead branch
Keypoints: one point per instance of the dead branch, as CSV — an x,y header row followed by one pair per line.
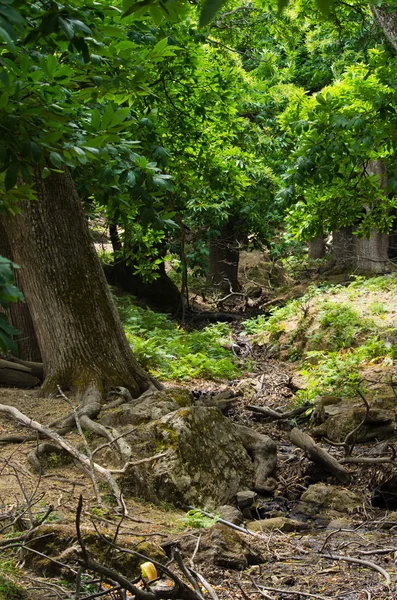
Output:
x,y
84,460
24,537
359,561
319,455
223,521
180,590
277,416
260,587
350,439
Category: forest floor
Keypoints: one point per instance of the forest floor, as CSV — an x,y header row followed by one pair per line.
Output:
x,y
314,560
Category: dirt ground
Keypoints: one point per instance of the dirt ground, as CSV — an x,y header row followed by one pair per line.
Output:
x,y
314,562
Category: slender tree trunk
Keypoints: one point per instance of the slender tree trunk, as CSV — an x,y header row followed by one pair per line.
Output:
x,y
223,260
317,247
372,253
18,313
81,339
387,21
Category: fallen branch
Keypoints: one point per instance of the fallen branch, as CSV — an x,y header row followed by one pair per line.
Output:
x,y
24,420
319,455
223,521
362,562
277,416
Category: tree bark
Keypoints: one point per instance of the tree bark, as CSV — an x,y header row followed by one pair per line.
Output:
x,y
223,260
372,253
343,248
317,247
81,339
387,21
18,314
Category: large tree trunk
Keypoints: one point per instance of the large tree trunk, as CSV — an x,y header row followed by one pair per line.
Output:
x,y
81,339
317,247
18,313
372,253
223,260
343,248
387,21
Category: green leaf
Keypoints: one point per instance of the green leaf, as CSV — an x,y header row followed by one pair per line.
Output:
x,y
7,40
3,100
107,116
135,7
119,116
56,159
209,10
10,180
67,28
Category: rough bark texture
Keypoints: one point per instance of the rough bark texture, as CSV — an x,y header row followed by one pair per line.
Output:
x,y
18,313
372,252
224,259
387,21
317,247
343,250
81,339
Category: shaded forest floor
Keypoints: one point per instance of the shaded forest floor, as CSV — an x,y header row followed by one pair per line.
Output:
x,y
278,563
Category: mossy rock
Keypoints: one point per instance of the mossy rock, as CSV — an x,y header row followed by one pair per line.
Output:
x,y
283,524
59,542
333,497
205,465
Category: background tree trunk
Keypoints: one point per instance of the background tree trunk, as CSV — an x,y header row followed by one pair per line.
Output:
x,y
387,21
18,314
81,339
372,253
223,260
161,294
317,247
343,248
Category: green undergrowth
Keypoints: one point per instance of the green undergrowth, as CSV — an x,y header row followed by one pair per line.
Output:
x,y
169,352
333,333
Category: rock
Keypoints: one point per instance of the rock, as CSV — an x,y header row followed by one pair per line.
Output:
x,y
246,498
390,521
336,418
340,523
263,451
59,542
206,463
281,523
152,405
324,496
230,549
230,513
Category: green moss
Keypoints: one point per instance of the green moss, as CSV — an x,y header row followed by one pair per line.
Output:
x,y
10,590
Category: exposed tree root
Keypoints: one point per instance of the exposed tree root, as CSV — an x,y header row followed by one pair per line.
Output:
x,y
58,439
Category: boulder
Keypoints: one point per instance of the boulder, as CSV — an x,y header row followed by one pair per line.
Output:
x,y
336,418
246,498
152,405
321,497
230,513
229,549
205,465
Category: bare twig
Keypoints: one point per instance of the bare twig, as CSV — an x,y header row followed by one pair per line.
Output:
x,y
362,562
